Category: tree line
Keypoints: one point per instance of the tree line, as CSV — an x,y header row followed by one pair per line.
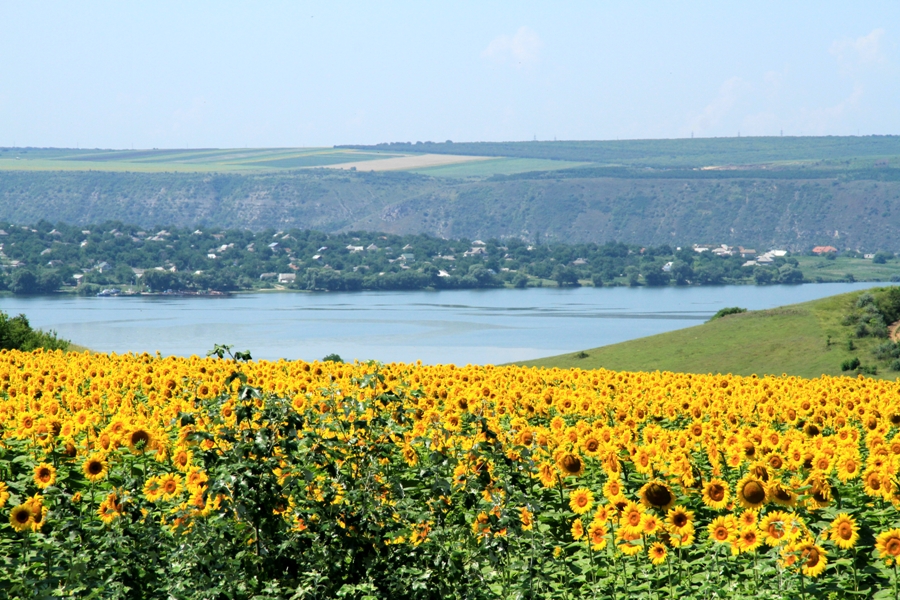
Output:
x,y
45,258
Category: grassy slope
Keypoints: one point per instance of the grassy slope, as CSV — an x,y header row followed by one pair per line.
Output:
x,y
862,269
791,339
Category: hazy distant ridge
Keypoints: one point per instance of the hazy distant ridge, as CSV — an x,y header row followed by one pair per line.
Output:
x,y
838,191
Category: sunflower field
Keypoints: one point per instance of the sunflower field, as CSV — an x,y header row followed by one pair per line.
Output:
x,y
137,476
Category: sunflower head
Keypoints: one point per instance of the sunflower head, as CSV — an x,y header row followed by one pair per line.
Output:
x,y
94,468
657,494
581,501
721,530
813,559
888,545
657,553
571,465
139,439
844,532
44,475
577,529
21,517
751,492
680,519
779,494
715,494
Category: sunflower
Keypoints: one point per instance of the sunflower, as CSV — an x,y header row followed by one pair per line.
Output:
x,y
650,524
657,553
547,475
813,558
571,465
592,446
780,495
581,501
656,494
612,489
197,480
4,494
597,534
721,530
626,538
748,539
775,528
21,517
110,509
630,521
848,467
526,518
844,531
44,475
748,518
153,489
577,529
182,460
603,514
715,494
139,440
95,468
680,520
888,545
39,513
819,493
751,492
170,485
873,484
682,539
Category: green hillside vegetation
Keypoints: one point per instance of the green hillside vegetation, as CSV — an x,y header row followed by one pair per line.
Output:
x,y
791,193
45,258
806,340
16,333
699,152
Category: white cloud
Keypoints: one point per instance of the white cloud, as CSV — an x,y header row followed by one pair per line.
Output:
x,y
519,50
729,94
862,51
828,119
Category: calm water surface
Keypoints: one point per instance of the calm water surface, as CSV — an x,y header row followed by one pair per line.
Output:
x,y
462,326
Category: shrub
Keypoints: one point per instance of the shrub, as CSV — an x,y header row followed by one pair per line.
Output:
x,y
731,310
850,364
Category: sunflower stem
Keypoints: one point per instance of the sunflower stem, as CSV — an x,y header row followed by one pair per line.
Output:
x,y
593,568
896,588
755,574
671,589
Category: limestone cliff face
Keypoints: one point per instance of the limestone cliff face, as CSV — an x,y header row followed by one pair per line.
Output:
x,y
748,209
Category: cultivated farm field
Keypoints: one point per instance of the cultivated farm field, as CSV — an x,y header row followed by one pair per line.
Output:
x,y
140,476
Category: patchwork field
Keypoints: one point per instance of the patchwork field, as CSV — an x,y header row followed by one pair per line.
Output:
x,y
187,161
409,162
263,160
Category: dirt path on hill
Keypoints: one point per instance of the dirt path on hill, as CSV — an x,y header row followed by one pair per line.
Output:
x,y
894,331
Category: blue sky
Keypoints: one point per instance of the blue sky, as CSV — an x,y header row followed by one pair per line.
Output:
x,y
234,74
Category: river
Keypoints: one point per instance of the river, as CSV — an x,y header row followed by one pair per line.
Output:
x,y
459,326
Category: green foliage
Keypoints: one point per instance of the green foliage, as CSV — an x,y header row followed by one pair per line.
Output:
x,y
850,364
731,310
16,334
333,358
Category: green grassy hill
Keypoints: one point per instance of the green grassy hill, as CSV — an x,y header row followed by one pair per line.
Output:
x,y
807,340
